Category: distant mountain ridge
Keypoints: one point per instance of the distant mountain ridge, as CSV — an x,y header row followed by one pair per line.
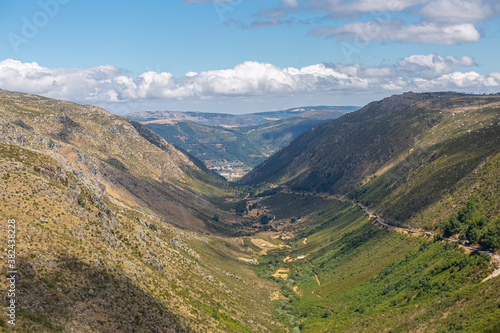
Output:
x,y
234,144
227,119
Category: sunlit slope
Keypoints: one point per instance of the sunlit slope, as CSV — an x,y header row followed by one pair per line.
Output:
x,y
344,273
91,264
115,157
416,157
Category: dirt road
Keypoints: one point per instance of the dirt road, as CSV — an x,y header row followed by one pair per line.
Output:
x,y
380,220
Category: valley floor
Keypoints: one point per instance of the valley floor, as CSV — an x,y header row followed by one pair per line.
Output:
x,y
112,240
323,264
344,273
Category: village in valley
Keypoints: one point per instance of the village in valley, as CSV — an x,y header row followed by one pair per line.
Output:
x,y
230,171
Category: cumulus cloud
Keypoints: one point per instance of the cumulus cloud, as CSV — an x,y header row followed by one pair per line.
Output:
x,y
108,84
459,80
58,83
442,22
432,65
396,30
343,8
456,11
422,66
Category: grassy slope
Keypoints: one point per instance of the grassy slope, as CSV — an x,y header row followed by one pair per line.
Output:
x,y
210,143
432,164
250,145
117,157
416,157
144,274
278,134
378,280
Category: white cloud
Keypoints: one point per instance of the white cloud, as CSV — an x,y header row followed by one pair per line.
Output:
x,y
431,65
456,11
108,84
396,30
422,66
291,3
459,80
342,8
442,22
58,83
449,11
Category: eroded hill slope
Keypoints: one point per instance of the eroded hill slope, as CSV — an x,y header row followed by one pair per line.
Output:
x,y
115,157
418,158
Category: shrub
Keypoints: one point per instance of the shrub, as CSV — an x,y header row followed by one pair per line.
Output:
x,y
215,315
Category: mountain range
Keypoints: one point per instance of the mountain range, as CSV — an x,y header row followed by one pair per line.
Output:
x,y
234,144
231,120
384,219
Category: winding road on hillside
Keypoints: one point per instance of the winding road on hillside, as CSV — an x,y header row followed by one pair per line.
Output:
x,y
380,221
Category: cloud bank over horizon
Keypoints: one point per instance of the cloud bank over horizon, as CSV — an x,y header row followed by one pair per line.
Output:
x,y
110,84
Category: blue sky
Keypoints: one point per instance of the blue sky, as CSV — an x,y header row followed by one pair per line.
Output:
x,y
246,55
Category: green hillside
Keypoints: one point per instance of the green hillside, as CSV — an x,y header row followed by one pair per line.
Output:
x,y
356,276
242,148
117,230
417,158
214,145
424,161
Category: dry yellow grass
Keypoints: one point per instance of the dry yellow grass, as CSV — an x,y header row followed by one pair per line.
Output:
x,y
247,260
265,245
282,273
298,291
276,296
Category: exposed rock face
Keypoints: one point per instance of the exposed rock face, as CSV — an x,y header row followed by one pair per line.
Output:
x,y
109,154
91,193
